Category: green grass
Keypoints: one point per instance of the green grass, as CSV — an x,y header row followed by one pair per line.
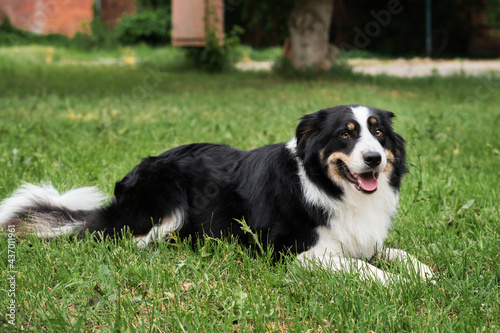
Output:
x,y
83,123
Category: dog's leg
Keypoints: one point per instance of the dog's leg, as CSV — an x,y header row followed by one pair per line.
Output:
x,y
159,231
411,262
352,265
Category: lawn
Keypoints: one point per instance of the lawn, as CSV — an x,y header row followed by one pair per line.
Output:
x,y
76,119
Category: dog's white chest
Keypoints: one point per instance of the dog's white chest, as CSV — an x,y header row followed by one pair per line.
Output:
x,y
359,223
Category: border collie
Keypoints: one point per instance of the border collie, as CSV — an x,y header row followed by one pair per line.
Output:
x,y
328,195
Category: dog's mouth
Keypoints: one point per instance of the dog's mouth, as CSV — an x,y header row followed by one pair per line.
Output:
x,y
366,182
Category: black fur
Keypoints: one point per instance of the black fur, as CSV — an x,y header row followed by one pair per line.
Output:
x,y
217,184
214,184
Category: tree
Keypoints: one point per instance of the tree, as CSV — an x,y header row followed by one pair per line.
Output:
x,y
309,25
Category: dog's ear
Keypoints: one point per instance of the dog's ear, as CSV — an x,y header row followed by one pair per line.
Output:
x,y
305,128
308,126
390,114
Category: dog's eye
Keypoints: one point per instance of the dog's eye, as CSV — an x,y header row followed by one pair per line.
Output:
x,y
378,132
345,135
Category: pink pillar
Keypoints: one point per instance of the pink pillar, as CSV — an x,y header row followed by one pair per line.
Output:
x,y
191,19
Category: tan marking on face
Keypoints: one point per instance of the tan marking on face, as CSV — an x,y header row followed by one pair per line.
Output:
x,y
372,120
389,155
333,170
390,162
351,126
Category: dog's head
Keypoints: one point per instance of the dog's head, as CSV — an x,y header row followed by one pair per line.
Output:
x,y
350,146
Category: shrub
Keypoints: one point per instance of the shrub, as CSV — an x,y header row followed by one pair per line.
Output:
x,y
148,26
10,35
101,37
215,57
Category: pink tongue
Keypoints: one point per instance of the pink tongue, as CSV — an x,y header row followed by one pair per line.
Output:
x,y
367,181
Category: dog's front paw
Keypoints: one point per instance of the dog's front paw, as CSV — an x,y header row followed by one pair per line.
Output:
x,y
426,273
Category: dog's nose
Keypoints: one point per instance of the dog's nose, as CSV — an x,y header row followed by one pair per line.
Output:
x,y
372,159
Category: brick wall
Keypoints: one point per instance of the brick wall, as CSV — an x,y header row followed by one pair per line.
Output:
x,y
49,16
113,10
62,16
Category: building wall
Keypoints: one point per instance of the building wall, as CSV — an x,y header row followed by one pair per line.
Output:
x,y
113,10
49,16
62,16
191,20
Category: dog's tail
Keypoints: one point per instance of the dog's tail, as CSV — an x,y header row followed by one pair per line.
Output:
x,y
43,211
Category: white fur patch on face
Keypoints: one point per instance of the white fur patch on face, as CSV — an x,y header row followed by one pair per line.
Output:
x,y
366,143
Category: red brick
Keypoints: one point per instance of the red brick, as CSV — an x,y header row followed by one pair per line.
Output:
x,y
113,10
49,16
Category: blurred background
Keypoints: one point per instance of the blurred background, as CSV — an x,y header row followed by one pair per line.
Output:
x,y
89,87
441,29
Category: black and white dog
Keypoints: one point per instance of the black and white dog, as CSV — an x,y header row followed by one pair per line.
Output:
x,y
328,195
